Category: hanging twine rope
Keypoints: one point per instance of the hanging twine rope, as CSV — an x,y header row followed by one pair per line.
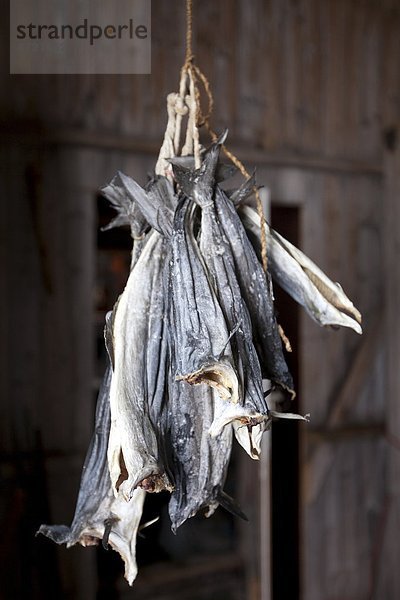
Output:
x,y
187,103
197,76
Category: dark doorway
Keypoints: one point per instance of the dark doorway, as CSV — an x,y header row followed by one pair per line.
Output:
x,y
285,441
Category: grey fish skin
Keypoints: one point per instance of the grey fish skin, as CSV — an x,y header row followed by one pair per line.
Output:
x,y
324,301
195,316
184,413
219,261
157,203
136,343
222,171
199,463
128,214
255,287
241,196
96,505
147,454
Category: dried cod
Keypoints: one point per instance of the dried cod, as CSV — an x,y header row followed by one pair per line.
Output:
x,y
323,300
198,463
133,451
251,410
128,214
195,317
99,516
190,339
256,290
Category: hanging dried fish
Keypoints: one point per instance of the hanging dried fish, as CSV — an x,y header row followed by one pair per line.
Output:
x,y
133,453
201,335
189,340
195,318
222,170
99,516
255,287
323,300
252,408
199,462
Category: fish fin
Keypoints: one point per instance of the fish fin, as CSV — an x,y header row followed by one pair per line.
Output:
x,y
286,415
185,163
128,211
206,174
241,194
184,178
199,184
118,221
60,534
230,505
150,203
223,171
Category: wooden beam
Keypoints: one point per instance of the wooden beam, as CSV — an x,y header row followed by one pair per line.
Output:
x,y
322,458
352,384
29,132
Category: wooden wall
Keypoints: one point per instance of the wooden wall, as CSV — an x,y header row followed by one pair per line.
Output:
x,y
310,90
311,77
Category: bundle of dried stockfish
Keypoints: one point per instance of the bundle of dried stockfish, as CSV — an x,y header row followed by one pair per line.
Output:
x,y
190,341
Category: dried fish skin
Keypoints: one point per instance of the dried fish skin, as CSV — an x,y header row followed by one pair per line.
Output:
x,y
157,203
199,463
223,171
250,437
98,513
240,196
128,214
219,261
201,337
255,287
324,301
128,211
133,442
123,518
333,292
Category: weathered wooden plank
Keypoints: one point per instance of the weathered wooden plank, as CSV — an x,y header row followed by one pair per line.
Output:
x,y
355,377
145,145
342,525
250,91
387,580
301,75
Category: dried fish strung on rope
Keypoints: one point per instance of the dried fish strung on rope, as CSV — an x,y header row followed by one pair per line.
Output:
x,y
198,462
196,321
135,458
256,290
323,300
99,516
250,409
190,339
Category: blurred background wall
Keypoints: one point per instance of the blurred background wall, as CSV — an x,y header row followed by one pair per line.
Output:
x,y
310,92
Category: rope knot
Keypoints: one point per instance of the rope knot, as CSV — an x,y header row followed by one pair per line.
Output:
x,y
180,106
